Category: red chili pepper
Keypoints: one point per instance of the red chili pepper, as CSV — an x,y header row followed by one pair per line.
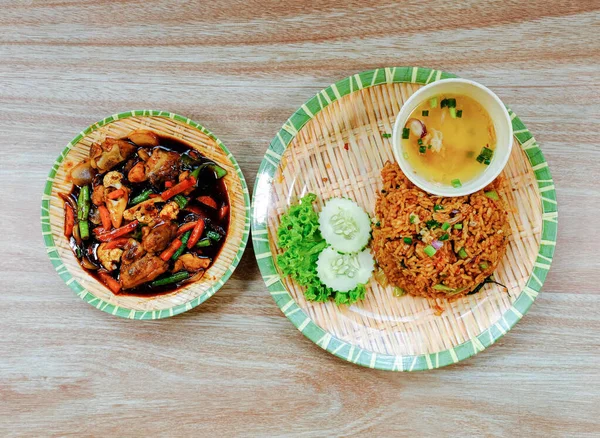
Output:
x,y
106,237
168,253
208,201
69,220
223,212
116,243
196,234
186,227
110,282
179,187
116,194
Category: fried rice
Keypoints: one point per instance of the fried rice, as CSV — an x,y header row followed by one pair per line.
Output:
x,y
471,233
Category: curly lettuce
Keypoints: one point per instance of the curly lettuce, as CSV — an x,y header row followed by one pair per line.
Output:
x,y
299,236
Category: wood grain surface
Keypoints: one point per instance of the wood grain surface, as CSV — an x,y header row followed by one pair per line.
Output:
x,y
235,366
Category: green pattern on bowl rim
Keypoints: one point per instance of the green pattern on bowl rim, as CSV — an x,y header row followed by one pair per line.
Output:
x,y
354,353
72,282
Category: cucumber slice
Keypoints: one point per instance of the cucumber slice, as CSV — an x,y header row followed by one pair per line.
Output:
x,y
345,225
344,272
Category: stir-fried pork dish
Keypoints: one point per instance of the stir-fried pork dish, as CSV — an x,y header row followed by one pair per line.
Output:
x,y
146,213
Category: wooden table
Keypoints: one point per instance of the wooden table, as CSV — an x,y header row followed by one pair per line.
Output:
x,y
235,365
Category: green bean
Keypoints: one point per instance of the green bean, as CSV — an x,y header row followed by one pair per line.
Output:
x,y
184,241
213,235
175,278
187,160
83,203
181,200
84,230
203,243
141,197
218,170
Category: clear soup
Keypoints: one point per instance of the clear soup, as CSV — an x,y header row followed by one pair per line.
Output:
x,y
449,139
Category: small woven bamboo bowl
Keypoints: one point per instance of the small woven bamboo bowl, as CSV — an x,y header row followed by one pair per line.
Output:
x,y
184,298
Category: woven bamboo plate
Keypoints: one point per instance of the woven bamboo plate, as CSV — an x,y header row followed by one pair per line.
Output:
x,y
185,298
334,146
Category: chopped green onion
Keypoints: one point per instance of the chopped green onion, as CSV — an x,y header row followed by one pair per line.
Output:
x,y
451,103
444,103
213,235
78,252
433,102
486,153
444,237
445,226
483,265
202,243
398,291
429,250
480,159
422,149
492,194
420,142
452,112
459,114
487,162
413,218
462,253
425,113
431,224
438,207
407,240
458,226
456,183
377,224
405,133
443,288
386,135
428,146
184,241
175,278
181,200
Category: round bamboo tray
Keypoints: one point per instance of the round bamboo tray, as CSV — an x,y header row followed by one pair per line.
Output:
x,y
185,298
336,145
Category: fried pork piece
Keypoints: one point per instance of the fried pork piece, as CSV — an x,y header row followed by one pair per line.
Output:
x,y
98,195
162,166
137,174
191,263
141,271
132,251
156,237
109,153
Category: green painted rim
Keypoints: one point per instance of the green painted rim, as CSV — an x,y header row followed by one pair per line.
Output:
x,y
353,353
87,296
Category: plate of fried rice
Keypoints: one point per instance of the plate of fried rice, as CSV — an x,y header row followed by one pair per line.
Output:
x,y
447,276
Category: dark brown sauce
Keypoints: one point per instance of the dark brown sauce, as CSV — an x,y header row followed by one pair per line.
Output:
x,y
208,185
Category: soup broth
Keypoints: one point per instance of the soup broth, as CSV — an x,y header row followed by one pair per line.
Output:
x,y
456,142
